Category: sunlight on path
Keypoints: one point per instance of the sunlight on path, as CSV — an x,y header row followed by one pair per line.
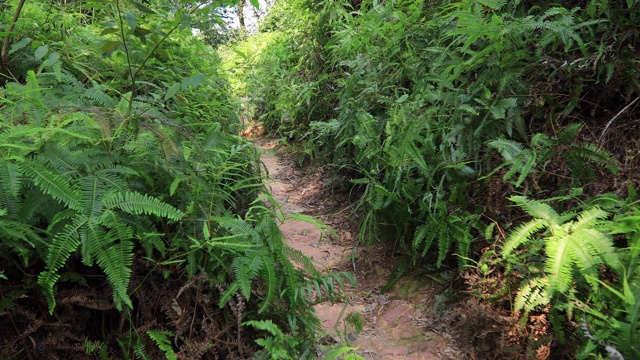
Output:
x,y
394,328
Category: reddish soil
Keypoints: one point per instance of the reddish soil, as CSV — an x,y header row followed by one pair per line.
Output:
x,y
399,324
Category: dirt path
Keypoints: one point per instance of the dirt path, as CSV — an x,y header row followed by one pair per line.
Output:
x,y
398,324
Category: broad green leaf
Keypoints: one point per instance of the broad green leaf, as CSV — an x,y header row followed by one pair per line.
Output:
x,y
255,3
196,80
53,57
141,33
140,6
242,55
205,231
19,45
109,46
173,89
131,20
185,21
108,24
108,31
41,51
174,185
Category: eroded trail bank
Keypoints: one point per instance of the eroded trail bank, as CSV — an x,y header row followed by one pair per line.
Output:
x,y
400,324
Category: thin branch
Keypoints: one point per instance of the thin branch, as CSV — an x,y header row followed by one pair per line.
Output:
x,y
16,16
132,74
615,117
5,44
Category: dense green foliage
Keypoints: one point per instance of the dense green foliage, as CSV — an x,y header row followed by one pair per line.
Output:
x,y
121,176
435,113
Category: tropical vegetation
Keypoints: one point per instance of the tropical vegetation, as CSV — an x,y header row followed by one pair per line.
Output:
x,y
134,222
493,137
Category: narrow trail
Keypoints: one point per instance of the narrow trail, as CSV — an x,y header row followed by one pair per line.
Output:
x,y
398,324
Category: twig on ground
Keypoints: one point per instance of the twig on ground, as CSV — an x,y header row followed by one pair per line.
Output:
x,y
615,117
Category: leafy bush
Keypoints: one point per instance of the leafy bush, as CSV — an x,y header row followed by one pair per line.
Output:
x,y
409,100
579,252
120,176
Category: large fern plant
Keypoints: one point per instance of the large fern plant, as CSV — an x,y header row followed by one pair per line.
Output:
x,y
67,176
526,161
574,246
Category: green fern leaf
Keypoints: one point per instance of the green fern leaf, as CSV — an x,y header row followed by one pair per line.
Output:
x,y
269,275
62,245
536,209
299,258
531,295
52,184
424,234
522,234
116,261
136,203
444,242
266,325
561,255
246,269
61,159
493,4
10,178
162,339
138,349
239,227
91,235
226,296
592,153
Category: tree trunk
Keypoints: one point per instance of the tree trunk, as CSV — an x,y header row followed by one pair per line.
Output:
x,y
241,5
4,68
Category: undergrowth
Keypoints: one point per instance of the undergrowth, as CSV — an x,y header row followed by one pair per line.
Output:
x,y
438,113
134,222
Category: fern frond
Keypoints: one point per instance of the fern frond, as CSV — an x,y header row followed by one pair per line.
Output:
x,y
63,160
531,295
136,203
10,178
52,184
589,218
536,209
246,269
266,325
444,242
97,97
522,234
139,350
517,157
590,152
91,236
269,276
62,245
297,256
424,236
162,339
226,296
493,4
116,260
601,248
238,227
561,257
